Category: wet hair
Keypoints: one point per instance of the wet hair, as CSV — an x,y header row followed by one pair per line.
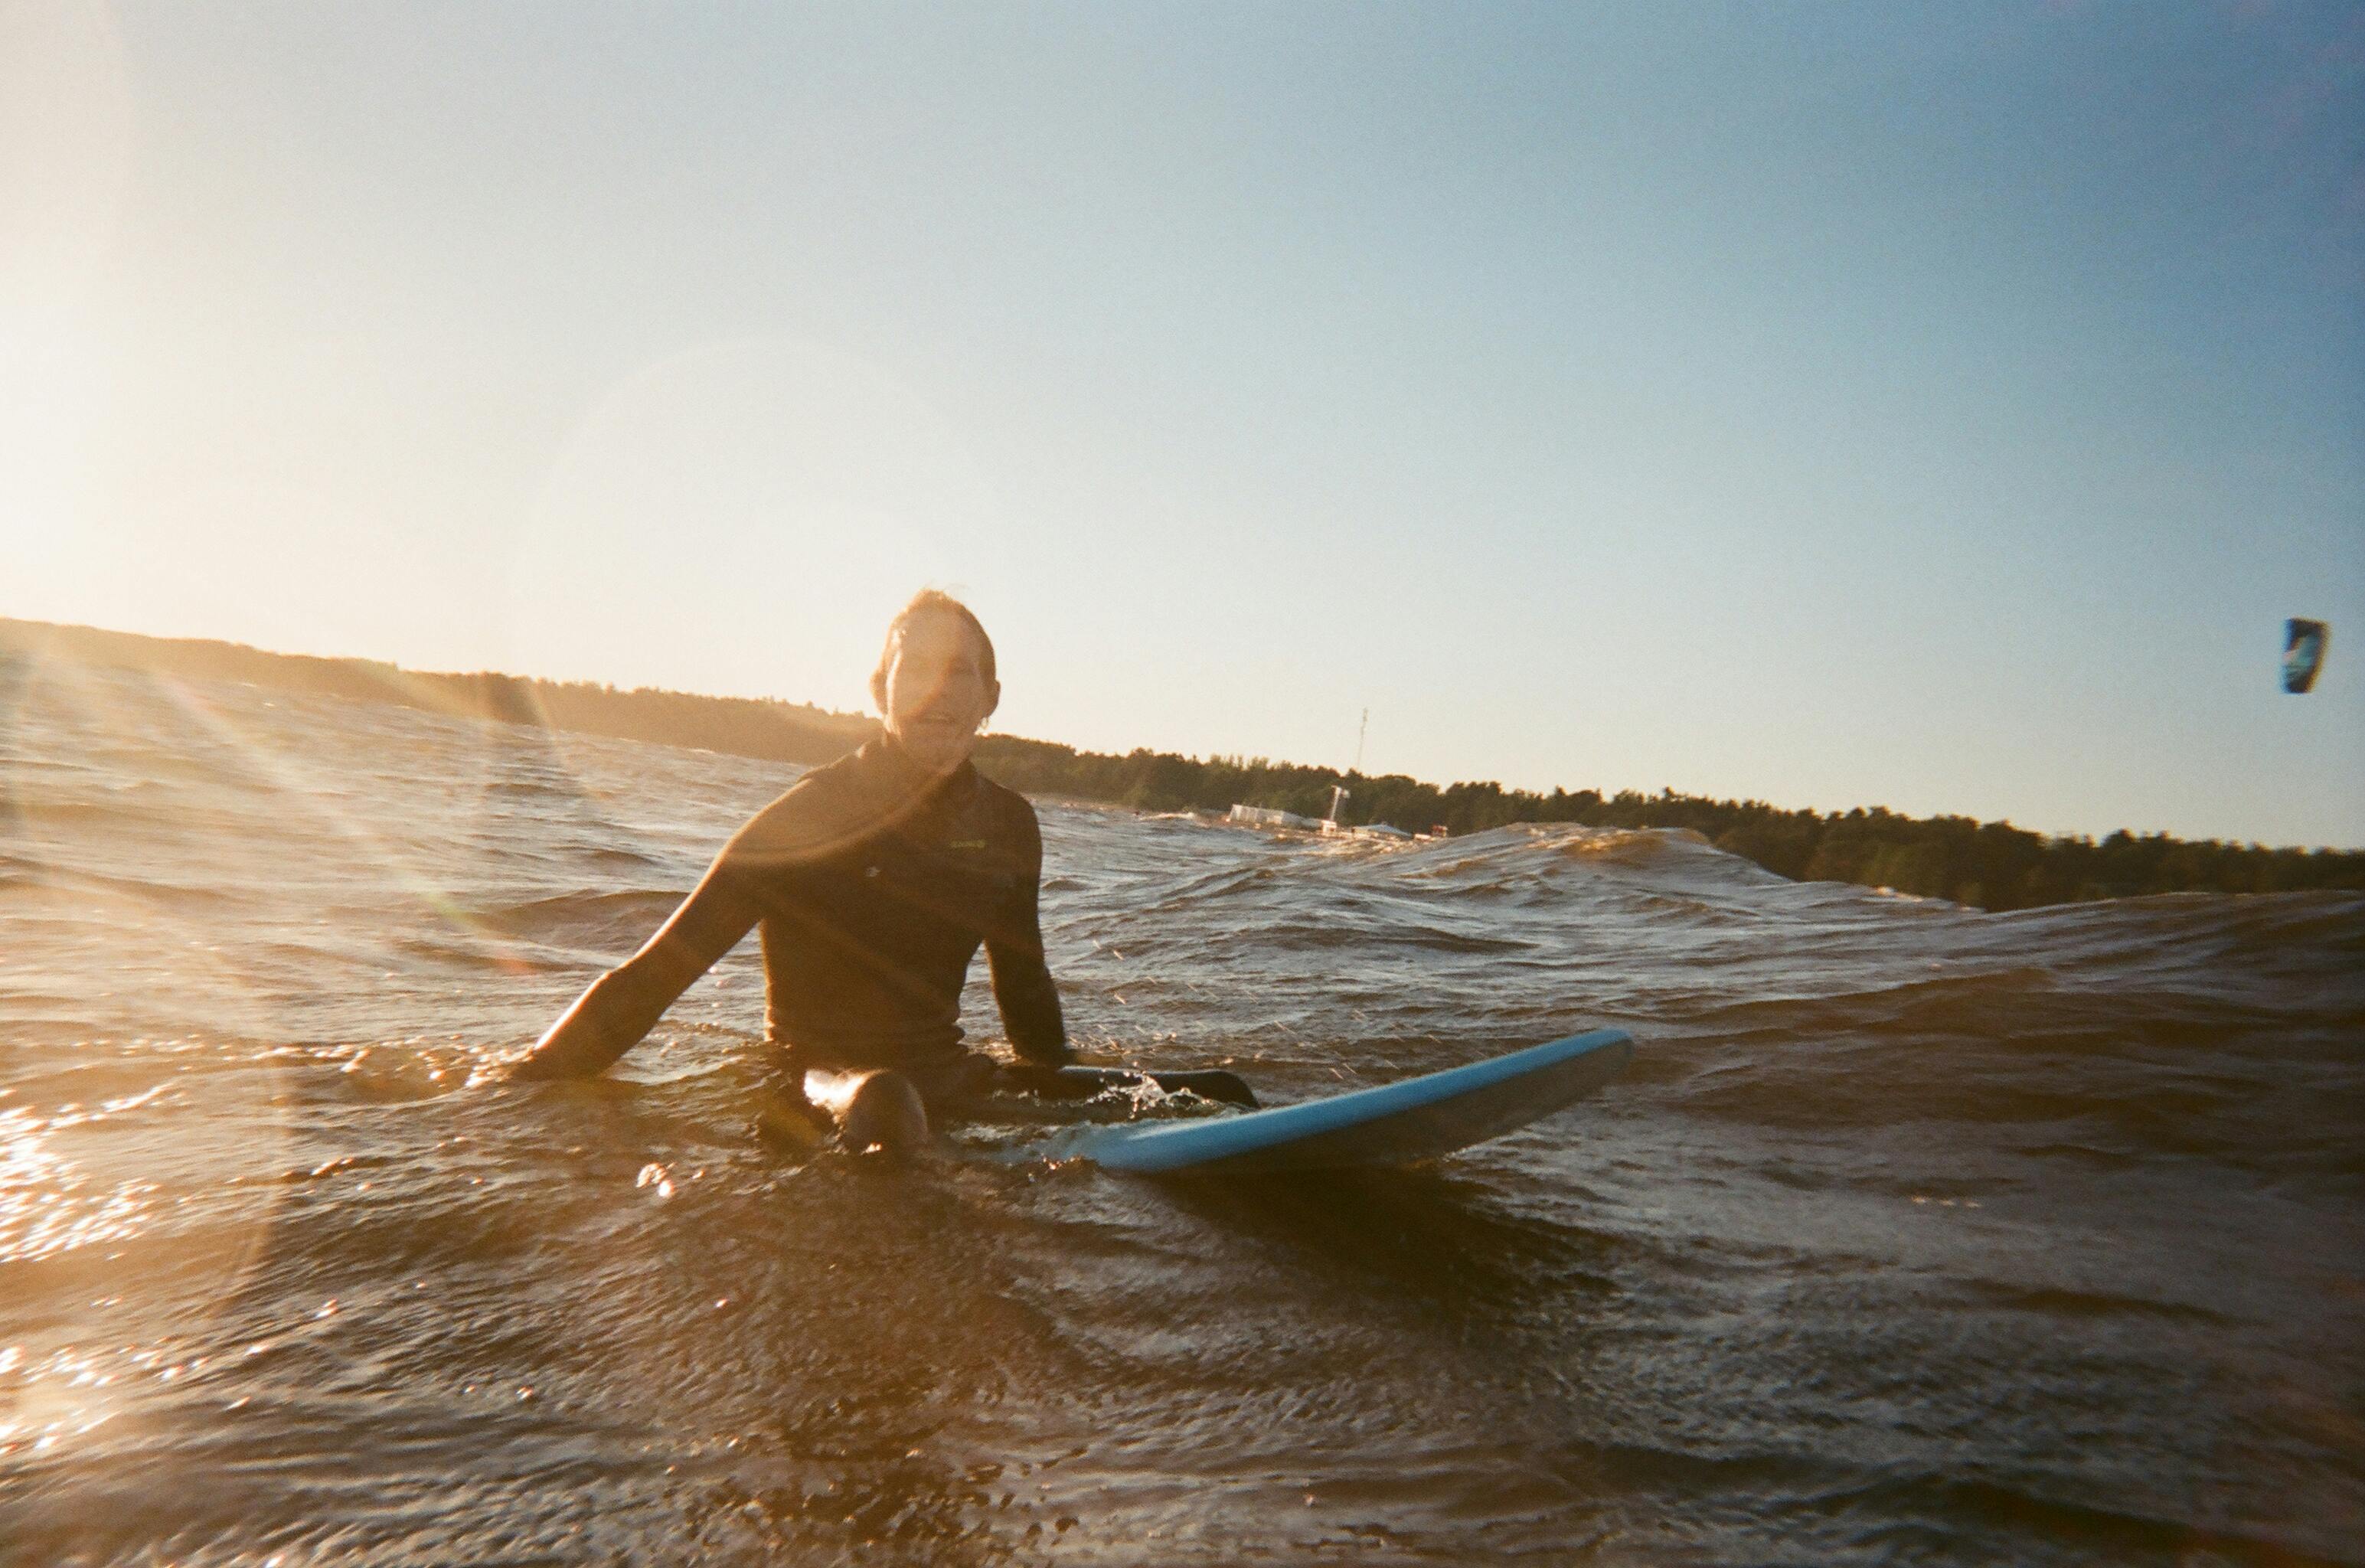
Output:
x,y
930,601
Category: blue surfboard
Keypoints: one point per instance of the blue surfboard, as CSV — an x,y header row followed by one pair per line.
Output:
x,y
1396,1124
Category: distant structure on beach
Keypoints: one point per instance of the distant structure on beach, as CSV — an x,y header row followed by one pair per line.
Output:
x,y
1328,827
1265,816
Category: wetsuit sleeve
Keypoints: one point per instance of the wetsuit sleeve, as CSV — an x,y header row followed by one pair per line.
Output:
x,y
625,1004
1022,987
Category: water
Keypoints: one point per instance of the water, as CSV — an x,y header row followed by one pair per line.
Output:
x,y
1915,1234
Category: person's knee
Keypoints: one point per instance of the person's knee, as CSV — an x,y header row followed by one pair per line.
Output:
x,y
885,1111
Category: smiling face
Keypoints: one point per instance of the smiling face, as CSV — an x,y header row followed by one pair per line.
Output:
x,y
935,691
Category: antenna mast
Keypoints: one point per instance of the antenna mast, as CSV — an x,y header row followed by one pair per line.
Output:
x,y
1339,791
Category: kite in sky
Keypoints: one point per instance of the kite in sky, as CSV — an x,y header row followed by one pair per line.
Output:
x,y
2302,652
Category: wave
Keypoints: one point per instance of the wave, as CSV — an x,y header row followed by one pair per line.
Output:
x,y
1345,930
578,916
1908,1221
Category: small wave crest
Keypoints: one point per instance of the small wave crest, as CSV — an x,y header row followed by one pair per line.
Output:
x,y
579,917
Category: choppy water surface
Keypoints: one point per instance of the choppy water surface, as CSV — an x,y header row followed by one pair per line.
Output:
x,y
1915,1233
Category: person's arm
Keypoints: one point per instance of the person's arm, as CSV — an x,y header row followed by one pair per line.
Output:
x,y
625,1004
1022,987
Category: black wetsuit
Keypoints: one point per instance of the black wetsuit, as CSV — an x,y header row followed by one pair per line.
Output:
x,y
874,884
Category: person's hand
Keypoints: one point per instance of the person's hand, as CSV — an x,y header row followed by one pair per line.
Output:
x,y
789,1122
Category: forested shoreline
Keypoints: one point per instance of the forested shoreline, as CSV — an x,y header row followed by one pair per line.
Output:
x,y
1992,865
786,732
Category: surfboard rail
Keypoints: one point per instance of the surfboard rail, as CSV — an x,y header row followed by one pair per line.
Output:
x,y
1392,1124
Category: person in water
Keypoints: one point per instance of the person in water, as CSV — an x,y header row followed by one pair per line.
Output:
x,y
874,879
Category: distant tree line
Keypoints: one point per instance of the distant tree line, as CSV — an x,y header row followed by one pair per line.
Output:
x,y
1993,864
784,732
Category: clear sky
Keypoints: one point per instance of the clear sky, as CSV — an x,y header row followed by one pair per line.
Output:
x,y
1938,407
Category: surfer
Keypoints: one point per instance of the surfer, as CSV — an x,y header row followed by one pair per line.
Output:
x,y
874,879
